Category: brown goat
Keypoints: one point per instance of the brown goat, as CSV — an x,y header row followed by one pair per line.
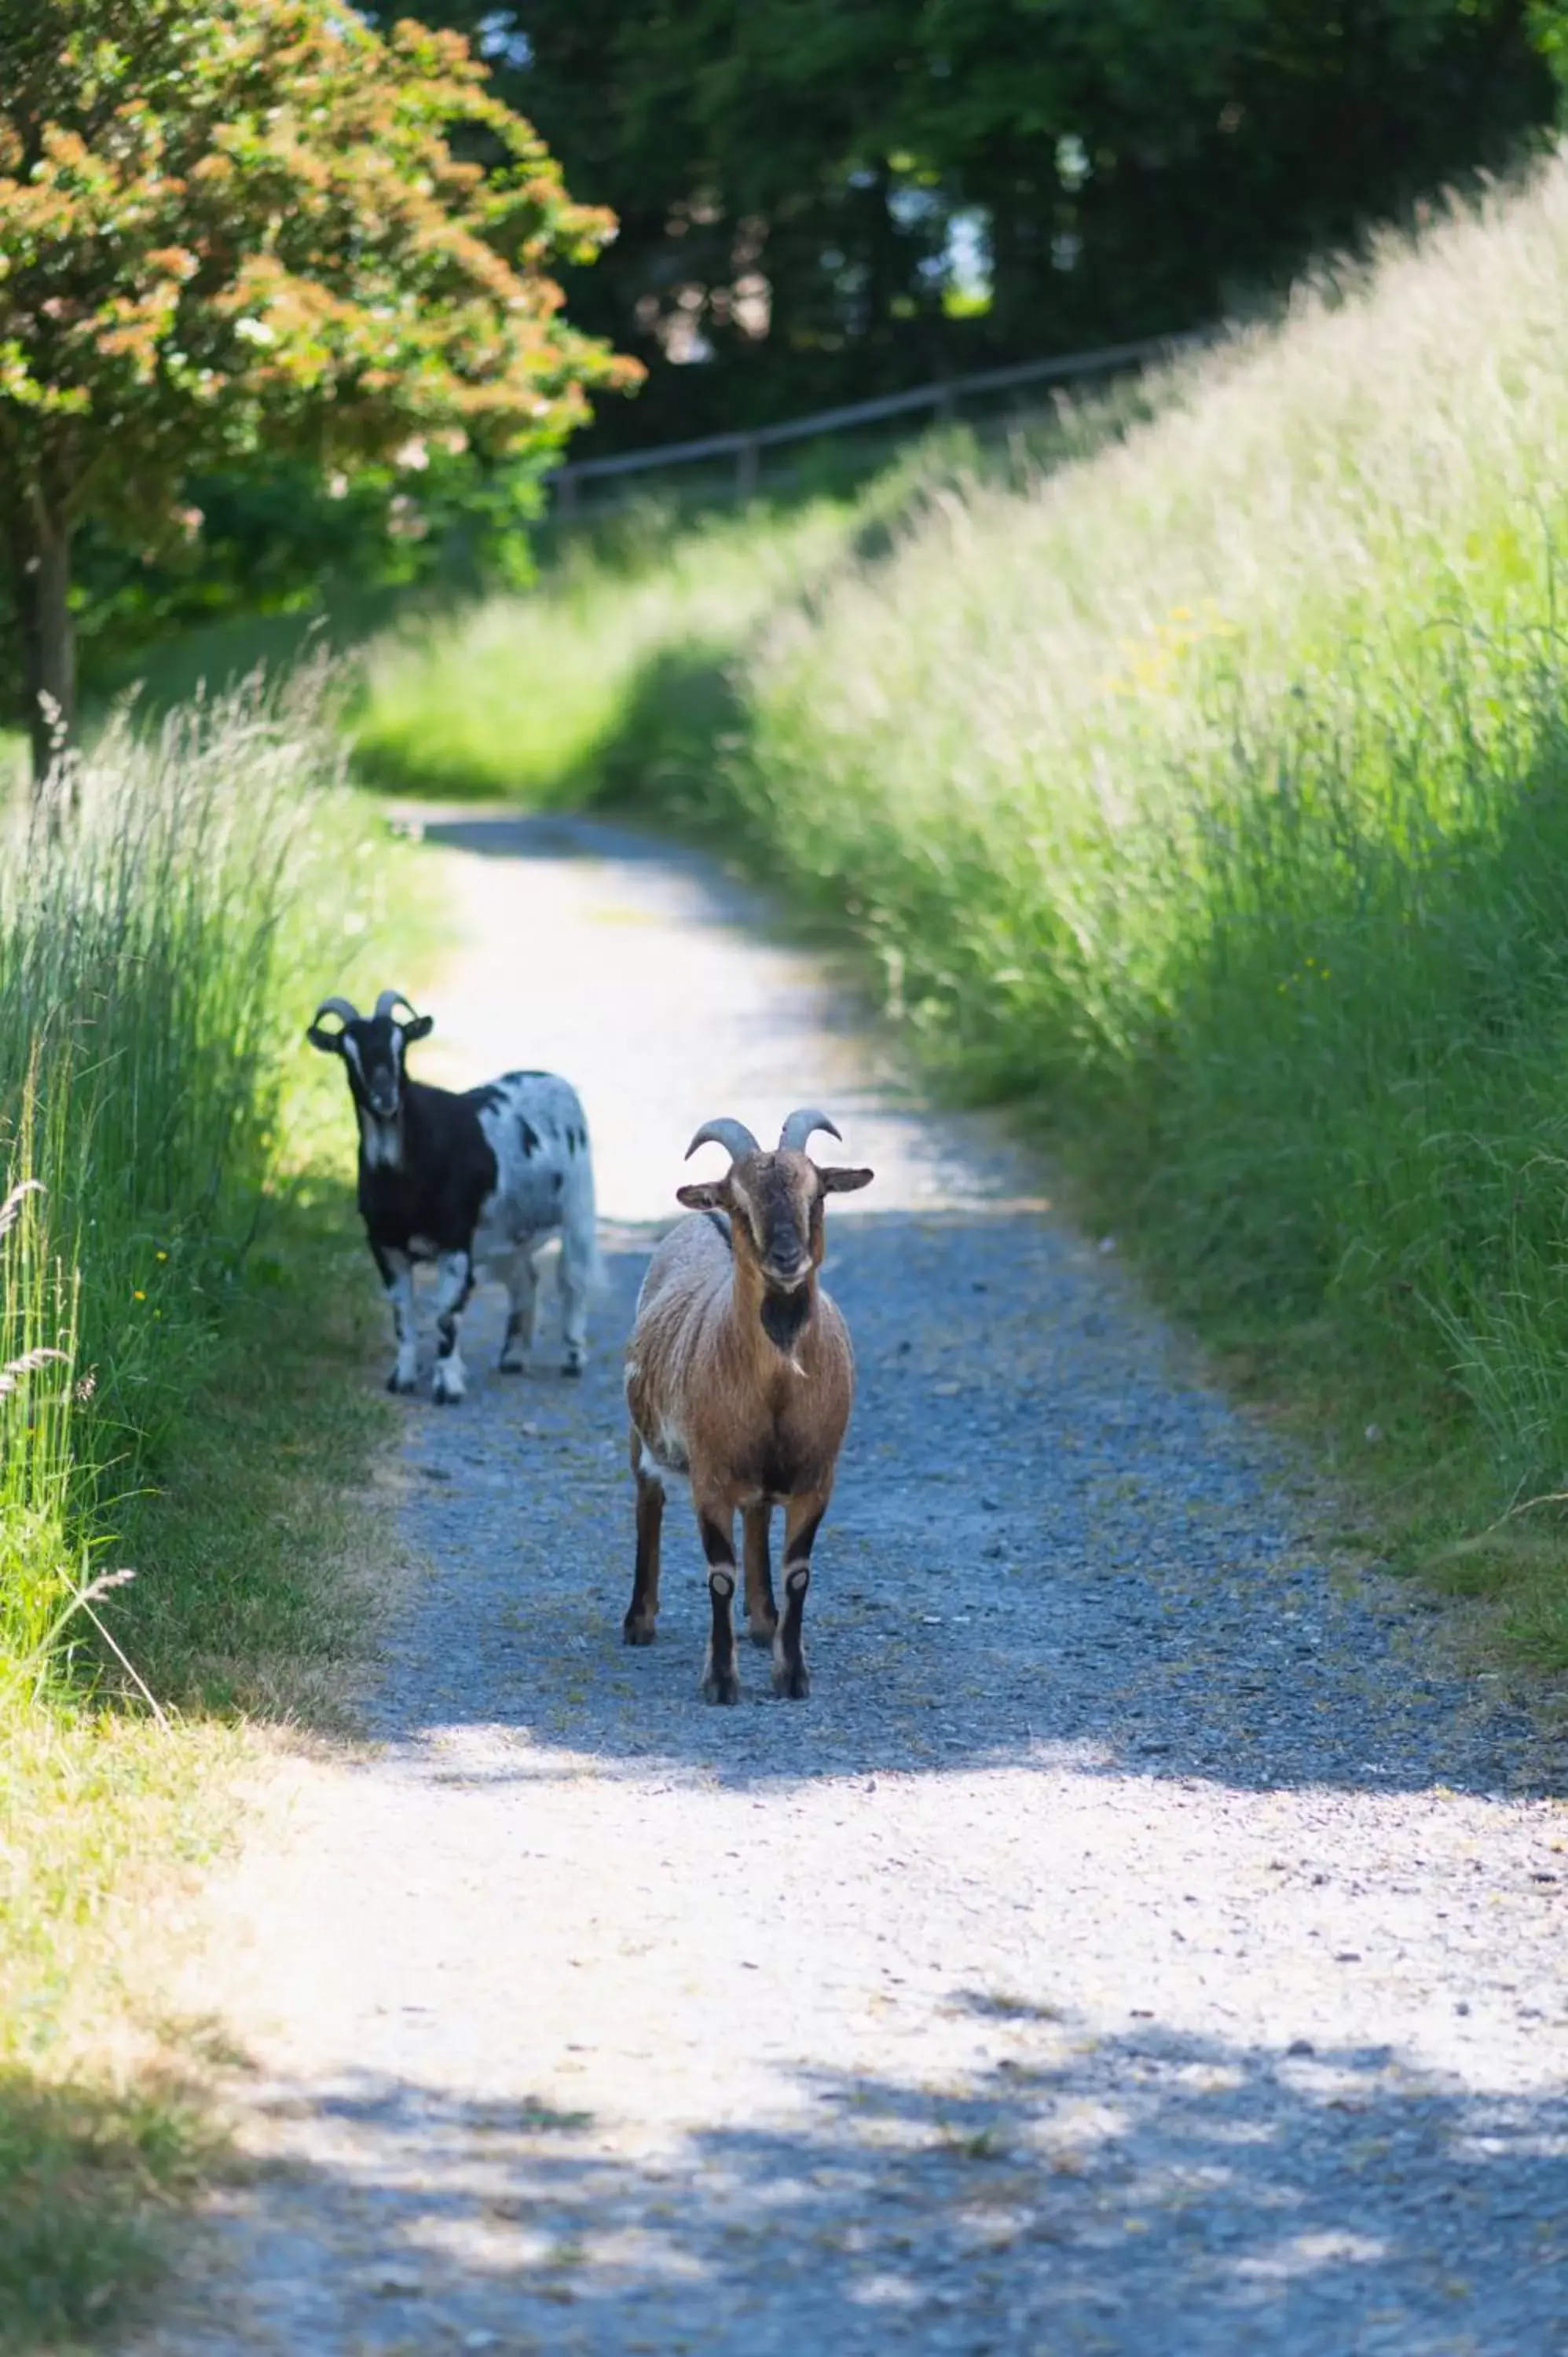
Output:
x,y
739,1376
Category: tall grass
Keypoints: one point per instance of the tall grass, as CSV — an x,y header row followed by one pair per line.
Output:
x,y
1217,794
151,911
37,1346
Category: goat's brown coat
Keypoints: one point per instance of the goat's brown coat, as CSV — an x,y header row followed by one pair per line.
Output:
x,y
751,1420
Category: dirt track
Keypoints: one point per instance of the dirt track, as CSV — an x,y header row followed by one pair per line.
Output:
x,y
1135,1944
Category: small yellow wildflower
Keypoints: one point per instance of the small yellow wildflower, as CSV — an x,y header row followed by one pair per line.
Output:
x,y
163,1255
138,1294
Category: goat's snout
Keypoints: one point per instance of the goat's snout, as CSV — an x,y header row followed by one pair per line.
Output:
x,y
785,1271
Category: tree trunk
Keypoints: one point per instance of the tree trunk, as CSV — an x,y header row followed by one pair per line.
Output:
x,y
42,585
1006,265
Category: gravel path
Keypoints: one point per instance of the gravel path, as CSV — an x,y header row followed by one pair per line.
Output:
x,y
1140,1943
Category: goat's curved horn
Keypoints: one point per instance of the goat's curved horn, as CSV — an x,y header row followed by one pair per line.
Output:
x,y
391,998
732,1136
343,1007
799,1128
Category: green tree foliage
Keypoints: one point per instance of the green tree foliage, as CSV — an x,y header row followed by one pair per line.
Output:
x,y
1173,157
790,174
242,227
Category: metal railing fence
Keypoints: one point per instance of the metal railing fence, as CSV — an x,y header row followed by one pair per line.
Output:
x,y
941,398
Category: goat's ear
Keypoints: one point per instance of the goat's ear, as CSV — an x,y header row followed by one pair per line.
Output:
x,y
330,1042
844,1182
704,1195
420,1028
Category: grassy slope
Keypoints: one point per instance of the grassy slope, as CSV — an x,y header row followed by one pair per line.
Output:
x,y
1215,797
1212,797
618,677
528,697
218,1451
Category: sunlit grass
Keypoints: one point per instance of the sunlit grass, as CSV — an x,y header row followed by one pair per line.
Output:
x,y
615,669
1214,797
524,697
157,912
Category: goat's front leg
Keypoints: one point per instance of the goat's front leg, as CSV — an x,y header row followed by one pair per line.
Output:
x,y
523,1313
761,1612
397,1278
451,1299
715,1523
575,1278
802,1517
639,1626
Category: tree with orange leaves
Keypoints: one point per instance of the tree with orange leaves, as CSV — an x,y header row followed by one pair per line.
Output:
x,y
231,227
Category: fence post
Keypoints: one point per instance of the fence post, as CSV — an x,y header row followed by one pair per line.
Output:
x,y
745,469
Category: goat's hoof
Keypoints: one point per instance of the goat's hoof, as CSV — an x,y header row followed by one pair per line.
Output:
x,y
791,1681
762,1632
401,1389
573,1368
637,1632
512,1366
721,1687
441,1397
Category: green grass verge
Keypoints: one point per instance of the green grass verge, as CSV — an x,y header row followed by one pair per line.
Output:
x,y
83,2167
257,1551
616,676
1207,796
526,698
183,1317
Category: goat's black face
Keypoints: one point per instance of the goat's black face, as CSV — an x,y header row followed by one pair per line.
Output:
x,y
373,1048
374,1053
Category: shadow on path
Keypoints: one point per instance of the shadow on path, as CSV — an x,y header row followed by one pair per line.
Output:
x,y
1154,2192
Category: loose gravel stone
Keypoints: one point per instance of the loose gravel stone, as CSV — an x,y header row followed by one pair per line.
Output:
x,y
1139,1942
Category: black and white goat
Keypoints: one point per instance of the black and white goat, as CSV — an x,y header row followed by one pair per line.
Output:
x,y
480,1180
